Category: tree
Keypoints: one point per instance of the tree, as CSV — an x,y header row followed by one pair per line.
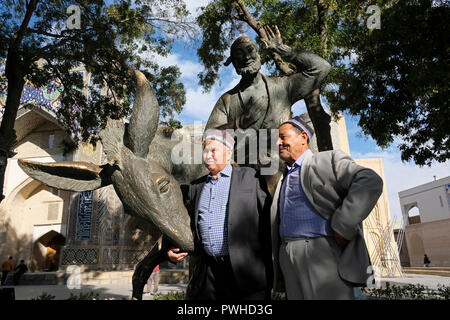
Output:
x,y
403,64
220,22
170,126
398,81
45,40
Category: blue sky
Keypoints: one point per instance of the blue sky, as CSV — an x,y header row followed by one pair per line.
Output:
x,y
398,175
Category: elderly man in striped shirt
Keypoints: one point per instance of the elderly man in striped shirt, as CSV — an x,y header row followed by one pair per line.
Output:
x,y
229,210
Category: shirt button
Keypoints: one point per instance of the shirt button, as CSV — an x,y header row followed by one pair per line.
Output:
x,y
209,228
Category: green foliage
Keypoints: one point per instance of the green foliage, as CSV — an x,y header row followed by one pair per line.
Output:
x,y
397,82
218,30
172,295
69,146
444,292
81,296
409,292
114,38
84,296
394,79
297,21
170,125
45,296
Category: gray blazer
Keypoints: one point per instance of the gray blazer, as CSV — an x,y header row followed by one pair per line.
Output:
x,y
342,192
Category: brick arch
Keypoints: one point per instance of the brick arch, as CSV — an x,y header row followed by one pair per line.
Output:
x,y
413,218
47,251
415,243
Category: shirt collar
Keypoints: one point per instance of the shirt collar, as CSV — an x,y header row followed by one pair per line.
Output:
x,y
226,172
298,162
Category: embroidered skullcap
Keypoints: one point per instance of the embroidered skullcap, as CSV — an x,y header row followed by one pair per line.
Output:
x,y
219,135
300,124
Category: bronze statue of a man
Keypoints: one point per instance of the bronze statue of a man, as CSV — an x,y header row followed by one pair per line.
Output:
x,y
260,102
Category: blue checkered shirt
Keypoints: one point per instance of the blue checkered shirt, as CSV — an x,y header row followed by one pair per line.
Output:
x,y
213,213
298,218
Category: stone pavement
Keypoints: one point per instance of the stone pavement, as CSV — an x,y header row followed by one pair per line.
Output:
x,y
123,291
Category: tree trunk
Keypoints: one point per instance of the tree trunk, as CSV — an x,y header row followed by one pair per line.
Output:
x,y
320,119
15,75
7,133
322,11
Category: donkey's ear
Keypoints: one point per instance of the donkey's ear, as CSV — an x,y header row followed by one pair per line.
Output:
x,y
144,117
71,176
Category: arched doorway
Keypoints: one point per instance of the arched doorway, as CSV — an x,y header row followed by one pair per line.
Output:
x,y
47,251
414,215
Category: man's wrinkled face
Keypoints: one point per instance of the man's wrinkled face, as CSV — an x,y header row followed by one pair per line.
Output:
x,y
246,59
216,156
291,143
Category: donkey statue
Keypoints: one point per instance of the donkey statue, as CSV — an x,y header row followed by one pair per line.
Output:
x,y
139,167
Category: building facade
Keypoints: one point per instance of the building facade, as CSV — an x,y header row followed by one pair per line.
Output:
x,y
427,232
52,229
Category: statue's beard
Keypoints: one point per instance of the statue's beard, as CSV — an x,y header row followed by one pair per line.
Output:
x,y
250,69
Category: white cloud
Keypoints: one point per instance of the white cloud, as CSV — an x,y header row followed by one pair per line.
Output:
x,y
400,176
193,5
188,68
199,105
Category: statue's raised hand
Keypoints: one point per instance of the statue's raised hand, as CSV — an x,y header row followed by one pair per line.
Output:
x,y
274,40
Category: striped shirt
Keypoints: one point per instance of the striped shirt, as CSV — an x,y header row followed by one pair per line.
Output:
x,y
213,213
298,218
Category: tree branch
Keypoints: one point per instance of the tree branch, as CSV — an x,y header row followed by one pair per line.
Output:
x,y
322,11
16,39
48,34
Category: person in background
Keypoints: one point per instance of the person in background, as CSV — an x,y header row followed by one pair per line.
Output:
x,y
7,267
153,279
426,261
19,270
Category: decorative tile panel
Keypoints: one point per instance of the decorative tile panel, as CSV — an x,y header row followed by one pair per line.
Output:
x,y
77,256
84,216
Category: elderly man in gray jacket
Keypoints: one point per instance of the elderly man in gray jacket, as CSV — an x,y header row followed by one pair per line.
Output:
x,y
317,213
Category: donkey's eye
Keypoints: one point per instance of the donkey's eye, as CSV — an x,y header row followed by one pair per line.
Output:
x,y
163,185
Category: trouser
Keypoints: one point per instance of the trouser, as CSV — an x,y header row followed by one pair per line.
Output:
x,y
310,269
16,277
154,278
4,277
220,283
